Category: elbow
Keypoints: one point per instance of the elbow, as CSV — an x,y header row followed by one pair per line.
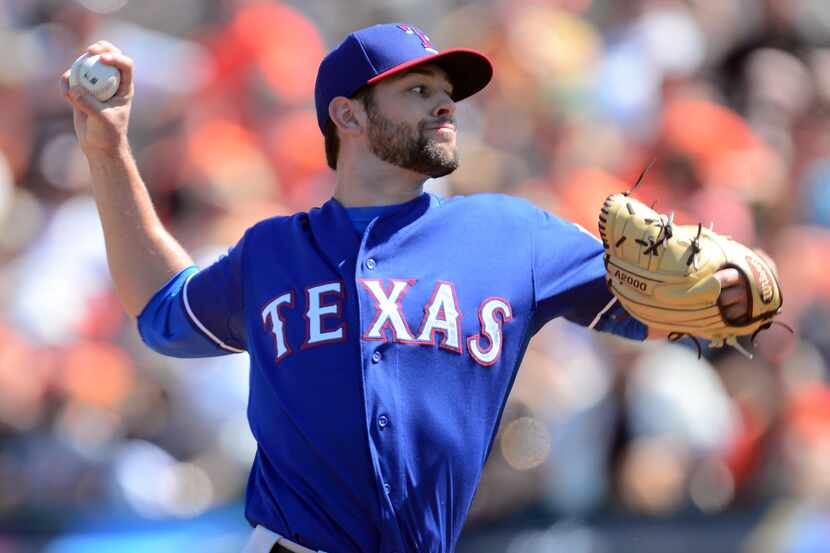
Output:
x,y
163,343
134,309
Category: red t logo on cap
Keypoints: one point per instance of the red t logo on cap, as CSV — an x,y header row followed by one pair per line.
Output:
x,y
409,29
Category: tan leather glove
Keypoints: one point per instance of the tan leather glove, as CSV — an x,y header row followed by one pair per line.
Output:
x,y
664,274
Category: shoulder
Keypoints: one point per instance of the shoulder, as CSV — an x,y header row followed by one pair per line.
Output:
x,y
280,223
264,232
503,209
502,206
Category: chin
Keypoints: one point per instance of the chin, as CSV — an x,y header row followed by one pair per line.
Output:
x,y
441,172
447,166
446,150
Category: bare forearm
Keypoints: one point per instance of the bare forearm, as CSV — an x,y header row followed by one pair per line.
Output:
x,y
142,255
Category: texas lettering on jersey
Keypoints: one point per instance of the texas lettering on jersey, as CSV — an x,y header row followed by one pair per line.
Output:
x,y
323,306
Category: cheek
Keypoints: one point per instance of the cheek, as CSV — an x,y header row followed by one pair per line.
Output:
x,y
409,113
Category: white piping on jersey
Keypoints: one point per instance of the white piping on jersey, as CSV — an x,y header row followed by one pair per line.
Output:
x,y
202,327
599,315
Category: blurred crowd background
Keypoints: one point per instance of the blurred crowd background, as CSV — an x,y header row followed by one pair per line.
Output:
x,y
606,446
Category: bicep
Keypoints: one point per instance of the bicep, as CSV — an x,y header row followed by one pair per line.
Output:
x,y
568,272
569,280
167,328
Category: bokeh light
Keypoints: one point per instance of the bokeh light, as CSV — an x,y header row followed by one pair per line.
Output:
x,y
103,6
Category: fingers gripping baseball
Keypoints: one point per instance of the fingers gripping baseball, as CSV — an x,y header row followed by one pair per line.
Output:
x,y
82,99
101,126
112,55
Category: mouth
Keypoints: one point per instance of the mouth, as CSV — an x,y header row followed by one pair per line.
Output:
x,y
446,130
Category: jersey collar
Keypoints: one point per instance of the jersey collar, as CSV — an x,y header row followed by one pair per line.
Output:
x,y
337,239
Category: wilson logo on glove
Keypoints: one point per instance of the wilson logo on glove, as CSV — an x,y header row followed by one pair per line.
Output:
x,y
762,278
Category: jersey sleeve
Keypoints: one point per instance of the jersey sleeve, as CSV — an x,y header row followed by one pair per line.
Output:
x,y
198,313
569,280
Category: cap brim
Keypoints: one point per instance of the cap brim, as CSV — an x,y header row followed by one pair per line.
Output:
x,y
468,70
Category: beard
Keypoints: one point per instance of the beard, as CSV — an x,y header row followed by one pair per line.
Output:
x,y
408,148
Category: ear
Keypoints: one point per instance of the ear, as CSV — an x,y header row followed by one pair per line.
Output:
x,y
347,115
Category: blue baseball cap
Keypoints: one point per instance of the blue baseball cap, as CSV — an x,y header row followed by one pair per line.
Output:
x,y
380,51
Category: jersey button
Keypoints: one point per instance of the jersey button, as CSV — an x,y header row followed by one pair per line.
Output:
x,y
376,357
387,488
383,421
371,264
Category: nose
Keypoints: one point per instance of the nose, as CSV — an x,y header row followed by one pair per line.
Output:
x,y
445,109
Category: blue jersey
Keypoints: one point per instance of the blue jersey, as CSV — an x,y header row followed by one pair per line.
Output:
x,y
381,361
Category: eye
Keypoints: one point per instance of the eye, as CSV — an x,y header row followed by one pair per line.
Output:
x,y
419,89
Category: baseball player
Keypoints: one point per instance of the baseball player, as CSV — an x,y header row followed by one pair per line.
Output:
x,y
385,327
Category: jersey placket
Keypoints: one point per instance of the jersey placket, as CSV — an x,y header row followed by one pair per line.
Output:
x,y
379,364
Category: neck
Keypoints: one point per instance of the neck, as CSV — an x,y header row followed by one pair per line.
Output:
x,y
375,183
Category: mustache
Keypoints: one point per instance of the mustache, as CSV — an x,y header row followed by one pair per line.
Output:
x,y
438,123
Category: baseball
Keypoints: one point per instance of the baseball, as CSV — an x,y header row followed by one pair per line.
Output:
x,y
96,76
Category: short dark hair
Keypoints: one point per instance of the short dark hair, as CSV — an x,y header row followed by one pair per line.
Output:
x,y
330,136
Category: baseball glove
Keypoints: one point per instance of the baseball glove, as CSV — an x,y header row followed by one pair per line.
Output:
x,y
664,274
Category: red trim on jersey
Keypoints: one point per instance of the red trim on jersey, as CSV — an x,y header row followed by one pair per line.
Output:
x,y
290,305
341,295
431,341
382,330
477,337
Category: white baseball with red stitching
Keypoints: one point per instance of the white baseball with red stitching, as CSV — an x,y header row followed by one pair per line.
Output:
x,y
96,76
